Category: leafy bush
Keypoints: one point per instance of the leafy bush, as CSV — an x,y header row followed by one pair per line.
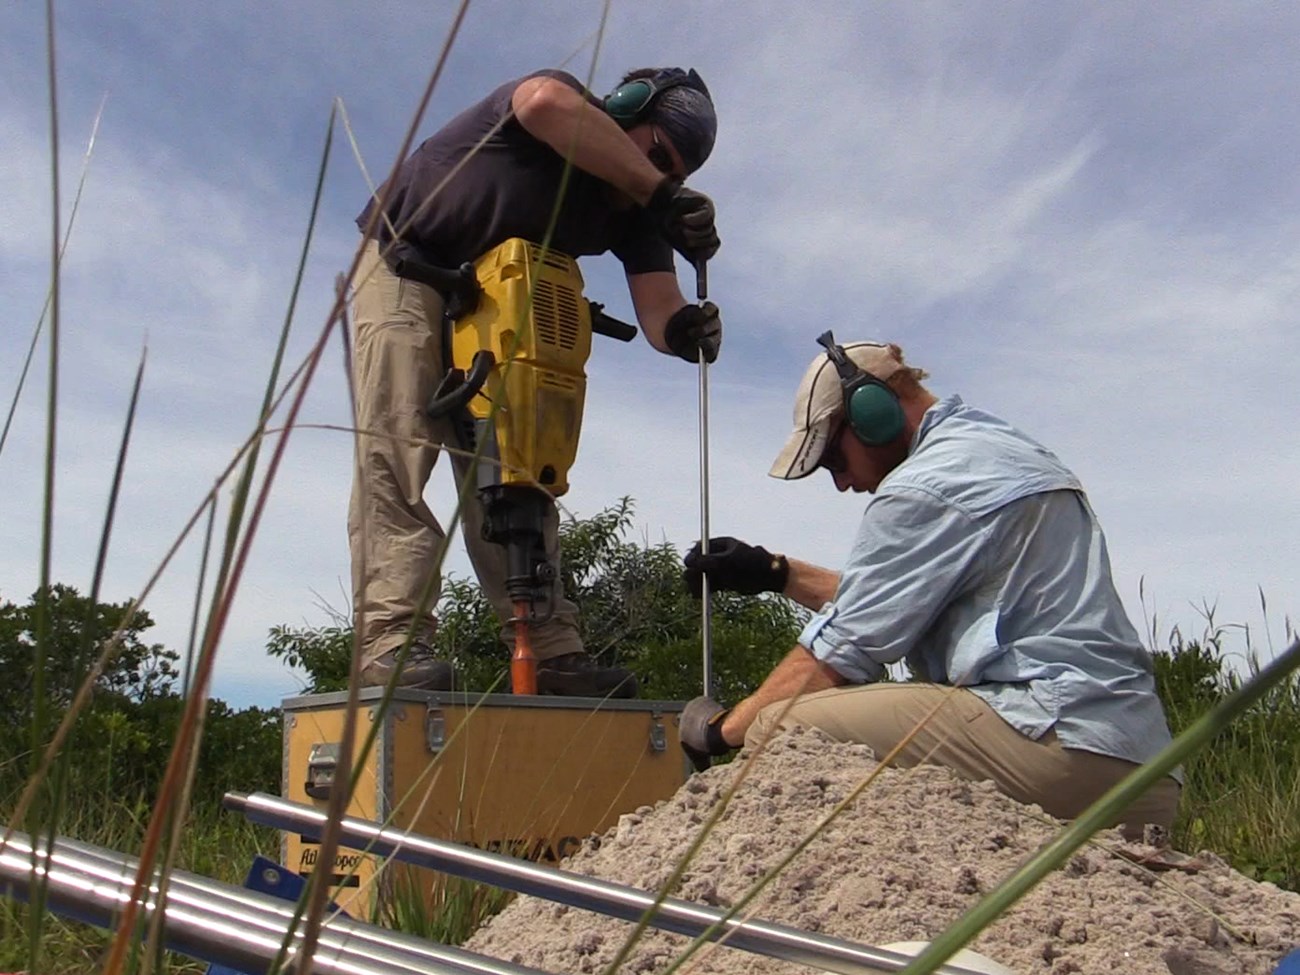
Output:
x,y
121,742
633,611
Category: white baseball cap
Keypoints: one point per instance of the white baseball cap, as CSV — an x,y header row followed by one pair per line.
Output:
x,y
820,402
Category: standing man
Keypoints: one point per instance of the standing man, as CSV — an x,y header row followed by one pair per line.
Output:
x,y
538,154
979,562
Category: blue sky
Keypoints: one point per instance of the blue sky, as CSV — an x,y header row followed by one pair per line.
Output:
x,y
1081,217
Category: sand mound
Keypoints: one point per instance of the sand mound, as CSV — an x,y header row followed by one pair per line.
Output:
x,y
910,856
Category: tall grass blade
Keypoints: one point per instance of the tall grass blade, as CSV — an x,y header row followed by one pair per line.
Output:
x,y
63,250
40,716
180,766
52,403
191,644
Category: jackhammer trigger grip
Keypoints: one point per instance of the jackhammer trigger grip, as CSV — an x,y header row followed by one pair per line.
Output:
x,y
607,325
464,294
457,389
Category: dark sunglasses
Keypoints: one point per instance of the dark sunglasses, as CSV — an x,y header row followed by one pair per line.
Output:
x,y
659,155
833,458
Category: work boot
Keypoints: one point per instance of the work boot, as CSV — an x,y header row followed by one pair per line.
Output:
x,y
577,675
422,671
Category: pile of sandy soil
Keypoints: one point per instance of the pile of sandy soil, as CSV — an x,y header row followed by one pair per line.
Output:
x,y
913,853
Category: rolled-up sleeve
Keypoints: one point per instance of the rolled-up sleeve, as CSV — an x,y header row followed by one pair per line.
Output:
x,y
913,555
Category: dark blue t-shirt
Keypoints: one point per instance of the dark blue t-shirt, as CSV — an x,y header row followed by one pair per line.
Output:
x,y
508,188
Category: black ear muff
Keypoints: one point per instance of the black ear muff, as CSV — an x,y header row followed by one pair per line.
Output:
x,y
872,409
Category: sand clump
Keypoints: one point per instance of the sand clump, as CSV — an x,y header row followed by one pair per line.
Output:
x,y
914,852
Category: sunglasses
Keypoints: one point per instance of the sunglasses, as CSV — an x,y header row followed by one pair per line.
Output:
x,y
833,458
659,155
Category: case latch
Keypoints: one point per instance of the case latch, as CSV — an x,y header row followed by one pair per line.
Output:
x,y
435,730
322,764
658,736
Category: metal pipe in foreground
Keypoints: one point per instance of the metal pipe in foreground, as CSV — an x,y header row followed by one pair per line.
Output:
x,y
221,923
587,893
276,914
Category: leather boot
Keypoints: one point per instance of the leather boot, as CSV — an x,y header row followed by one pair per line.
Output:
x,y
421,670
578,675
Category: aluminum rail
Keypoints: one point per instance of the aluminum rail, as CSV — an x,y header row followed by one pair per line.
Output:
x,y
588,893
220,923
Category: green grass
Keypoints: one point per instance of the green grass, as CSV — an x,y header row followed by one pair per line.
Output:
x,y
1241,797
452,911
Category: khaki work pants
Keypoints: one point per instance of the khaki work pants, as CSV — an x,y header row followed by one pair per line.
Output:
x,y
396,542
968,736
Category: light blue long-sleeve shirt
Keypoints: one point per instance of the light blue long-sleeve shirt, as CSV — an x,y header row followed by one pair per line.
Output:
x,y
980,561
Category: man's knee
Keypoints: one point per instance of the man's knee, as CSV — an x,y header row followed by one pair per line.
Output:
x,y
771,721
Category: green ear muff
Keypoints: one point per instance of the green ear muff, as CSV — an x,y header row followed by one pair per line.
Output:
x,y
875,416
874,413
628,103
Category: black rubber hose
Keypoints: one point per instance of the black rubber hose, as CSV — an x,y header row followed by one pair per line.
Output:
x,y
457,389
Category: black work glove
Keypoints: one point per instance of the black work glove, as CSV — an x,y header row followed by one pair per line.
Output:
x,y
734,566
700,731
685,218
693,329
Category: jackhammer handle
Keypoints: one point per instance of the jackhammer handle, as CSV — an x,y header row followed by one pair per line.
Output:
x,y
458,286
603,324
457,389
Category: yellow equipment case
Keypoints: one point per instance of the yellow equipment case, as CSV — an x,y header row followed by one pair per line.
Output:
x,y
529,776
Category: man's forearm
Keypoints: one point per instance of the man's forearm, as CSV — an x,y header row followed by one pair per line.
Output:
x,y
810,585
798,673
554,113
655,296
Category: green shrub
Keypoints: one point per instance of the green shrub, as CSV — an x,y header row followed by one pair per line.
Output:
x,y
1241,795
633,610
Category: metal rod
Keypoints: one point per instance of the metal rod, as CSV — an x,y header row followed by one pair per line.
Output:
x,y
587,893
275,914
220,923
706,608
706,603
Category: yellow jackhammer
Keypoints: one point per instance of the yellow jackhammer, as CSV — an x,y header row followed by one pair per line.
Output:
x,y
518,337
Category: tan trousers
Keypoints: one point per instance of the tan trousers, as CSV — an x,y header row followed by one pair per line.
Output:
x,y
968,736
396,542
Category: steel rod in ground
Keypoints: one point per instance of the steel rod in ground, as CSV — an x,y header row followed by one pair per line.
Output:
x,y
706,606
587,893
220,923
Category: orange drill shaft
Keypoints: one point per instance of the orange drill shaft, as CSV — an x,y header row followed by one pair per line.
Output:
x,y
523,663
